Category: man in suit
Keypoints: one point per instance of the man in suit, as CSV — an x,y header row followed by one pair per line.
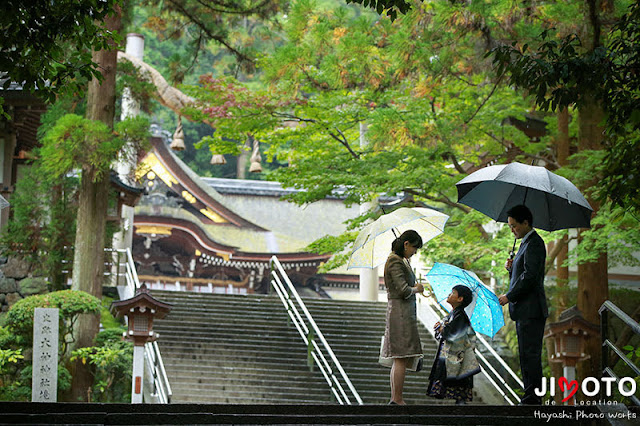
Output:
x,y
526,298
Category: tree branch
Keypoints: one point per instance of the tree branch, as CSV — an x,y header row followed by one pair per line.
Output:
x,y
557,247
624,338
335,133
203,28
454,160
495,86
232,8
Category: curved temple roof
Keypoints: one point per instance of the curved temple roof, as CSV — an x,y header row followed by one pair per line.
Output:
x,y
247,220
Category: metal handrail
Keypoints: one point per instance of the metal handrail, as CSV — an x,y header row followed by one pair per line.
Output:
x,y
495,378
161,386
303,331
607,344
130,273
317,354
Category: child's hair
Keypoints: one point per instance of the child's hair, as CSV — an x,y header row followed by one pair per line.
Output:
x,y
465,293
397,246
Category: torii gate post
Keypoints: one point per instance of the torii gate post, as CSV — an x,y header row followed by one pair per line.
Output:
x,y
140,311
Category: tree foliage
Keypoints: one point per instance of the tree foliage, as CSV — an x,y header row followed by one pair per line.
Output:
x,y
212,21
78,142
46,46
392,7
112,362
16,337
70,303
342,75
562,73
42,228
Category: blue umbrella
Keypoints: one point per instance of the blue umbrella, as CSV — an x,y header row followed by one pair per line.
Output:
x,y
484,311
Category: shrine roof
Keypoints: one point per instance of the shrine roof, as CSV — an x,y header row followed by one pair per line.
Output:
x,y
183,176
248,240
256,187
304,223
247,215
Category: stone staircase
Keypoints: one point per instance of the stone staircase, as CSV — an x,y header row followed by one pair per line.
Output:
x,y
239,349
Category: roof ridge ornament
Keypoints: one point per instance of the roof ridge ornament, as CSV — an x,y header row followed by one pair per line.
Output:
x,y
256,159
177,143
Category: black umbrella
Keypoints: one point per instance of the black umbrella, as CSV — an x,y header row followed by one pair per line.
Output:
x,y
553,200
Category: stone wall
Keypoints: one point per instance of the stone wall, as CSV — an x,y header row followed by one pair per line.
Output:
x,y
18,282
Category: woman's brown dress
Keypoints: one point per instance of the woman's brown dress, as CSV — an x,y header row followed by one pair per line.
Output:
x,y
401,338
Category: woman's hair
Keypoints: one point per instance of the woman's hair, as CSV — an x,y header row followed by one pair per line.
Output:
x,y
465,293
397,246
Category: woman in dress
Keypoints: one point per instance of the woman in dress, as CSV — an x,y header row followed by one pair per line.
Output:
x,y
401,342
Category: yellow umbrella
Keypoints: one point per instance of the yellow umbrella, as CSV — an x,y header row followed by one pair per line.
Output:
x,y
373,244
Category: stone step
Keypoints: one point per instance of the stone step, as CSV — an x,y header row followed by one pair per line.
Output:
x,y
374,323
258,389
201,341
248,374
366,354
240,321
231,356
268,303
168,296
297,413
226,358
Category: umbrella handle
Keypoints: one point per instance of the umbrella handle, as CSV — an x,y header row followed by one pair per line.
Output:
x,y
512,253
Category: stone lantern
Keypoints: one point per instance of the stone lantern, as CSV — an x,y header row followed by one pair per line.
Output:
x,y
140,311
569,336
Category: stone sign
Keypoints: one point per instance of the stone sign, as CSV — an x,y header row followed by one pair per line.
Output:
x,y
44,387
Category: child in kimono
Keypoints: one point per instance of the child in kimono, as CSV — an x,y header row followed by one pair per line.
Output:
x,y
455,363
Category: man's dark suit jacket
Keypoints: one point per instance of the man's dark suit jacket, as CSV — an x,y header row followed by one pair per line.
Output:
x,y
526,290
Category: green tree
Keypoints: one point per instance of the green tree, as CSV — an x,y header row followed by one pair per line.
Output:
x,y
111,361
16,338
391,7
340,69
213,22
179,50
589,70
41,45
71,304
42,227
92,205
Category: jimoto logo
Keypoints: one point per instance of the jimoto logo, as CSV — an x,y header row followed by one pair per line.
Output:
x,y
590,386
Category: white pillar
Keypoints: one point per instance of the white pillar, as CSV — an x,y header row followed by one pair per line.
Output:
x,y
570,373
137,377
369,284
124,237
368,277
135,48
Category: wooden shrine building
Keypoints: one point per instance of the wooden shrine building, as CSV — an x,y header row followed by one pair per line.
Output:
x,y
218,235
